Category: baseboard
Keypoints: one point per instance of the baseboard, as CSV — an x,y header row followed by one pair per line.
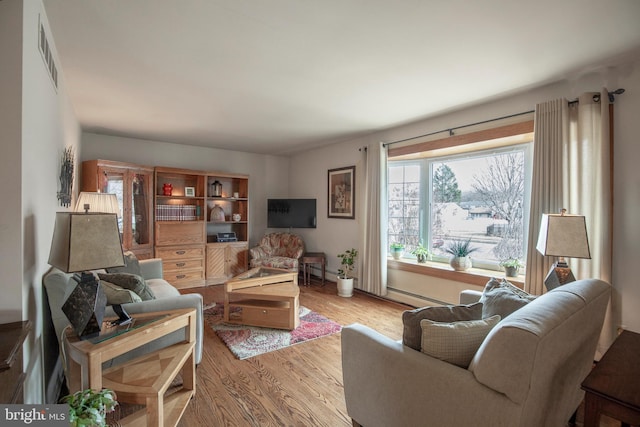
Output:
x,y
411,298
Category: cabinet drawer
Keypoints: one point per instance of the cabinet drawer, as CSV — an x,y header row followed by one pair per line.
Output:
x,y
185,278
179,265
179,233
180,253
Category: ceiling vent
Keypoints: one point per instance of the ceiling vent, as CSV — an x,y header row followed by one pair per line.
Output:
x,y
47,54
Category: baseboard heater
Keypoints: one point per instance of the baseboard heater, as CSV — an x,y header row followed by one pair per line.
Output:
x,y
417,296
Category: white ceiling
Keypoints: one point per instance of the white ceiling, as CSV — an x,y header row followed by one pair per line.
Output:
x,y
276,76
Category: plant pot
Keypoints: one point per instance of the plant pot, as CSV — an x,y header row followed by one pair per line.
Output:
x,y
345,287
460,263
397,253
421,258
511,271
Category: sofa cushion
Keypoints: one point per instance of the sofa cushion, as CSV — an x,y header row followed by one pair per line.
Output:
x,y
129,281
161,289
118,295
502,298
131,265
412,332
455,342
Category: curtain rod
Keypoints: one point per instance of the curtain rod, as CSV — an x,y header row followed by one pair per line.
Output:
x,y
596,98
450,130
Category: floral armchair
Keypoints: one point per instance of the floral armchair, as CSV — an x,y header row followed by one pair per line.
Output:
x,y
278,250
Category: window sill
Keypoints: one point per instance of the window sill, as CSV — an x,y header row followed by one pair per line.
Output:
x,y
473,276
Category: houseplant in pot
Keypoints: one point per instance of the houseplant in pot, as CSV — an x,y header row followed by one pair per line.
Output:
x,y
89,408
345,282
421,253
511,267
460,251
397,249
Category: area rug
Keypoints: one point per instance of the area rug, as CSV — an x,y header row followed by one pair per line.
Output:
x,y
249,341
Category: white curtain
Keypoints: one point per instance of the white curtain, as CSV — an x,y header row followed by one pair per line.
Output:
x,y
572,170
373,265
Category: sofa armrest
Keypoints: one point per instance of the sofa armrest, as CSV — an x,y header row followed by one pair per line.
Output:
x,y
469,296
389,384
151,268
162,304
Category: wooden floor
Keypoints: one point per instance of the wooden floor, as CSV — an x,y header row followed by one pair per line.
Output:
x,y
297,386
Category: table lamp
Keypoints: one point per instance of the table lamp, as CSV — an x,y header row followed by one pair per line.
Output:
x,y
82,242
97,202
562,235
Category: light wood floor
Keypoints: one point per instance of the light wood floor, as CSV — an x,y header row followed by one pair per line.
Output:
x,y
297,386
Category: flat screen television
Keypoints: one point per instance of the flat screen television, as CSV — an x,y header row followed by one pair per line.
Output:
x,y
291,213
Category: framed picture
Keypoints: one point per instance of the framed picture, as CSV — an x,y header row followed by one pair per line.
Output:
x,y
190,191
341,194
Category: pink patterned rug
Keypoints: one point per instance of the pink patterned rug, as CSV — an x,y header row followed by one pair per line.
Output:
x,y
249,341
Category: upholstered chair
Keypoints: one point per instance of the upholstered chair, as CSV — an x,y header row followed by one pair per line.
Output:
x,y
278,250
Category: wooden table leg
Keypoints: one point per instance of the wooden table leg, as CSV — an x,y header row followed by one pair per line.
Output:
x,y
591,410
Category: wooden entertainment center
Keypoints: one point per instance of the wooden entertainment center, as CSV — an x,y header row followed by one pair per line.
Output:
x,y
177,215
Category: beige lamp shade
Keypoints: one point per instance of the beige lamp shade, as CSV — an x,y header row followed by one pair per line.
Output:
x,y
97,203
563,235
85,241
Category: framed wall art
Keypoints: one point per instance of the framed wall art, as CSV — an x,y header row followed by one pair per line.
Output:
x,y
190,191
341,193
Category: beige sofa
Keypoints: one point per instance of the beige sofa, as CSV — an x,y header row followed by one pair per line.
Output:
x,y
527,372
59,285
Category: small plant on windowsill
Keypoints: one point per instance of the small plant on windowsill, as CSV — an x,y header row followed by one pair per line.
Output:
x,y
421,253
460,251
397,249
511,267
89,408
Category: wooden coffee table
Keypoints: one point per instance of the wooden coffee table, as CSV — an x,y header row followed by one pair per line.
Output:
x,y
266,297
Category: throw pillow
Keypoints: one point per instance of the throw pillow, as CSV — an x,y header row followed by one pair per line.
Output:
x,y
117,295
131,265
502,298
455,342
412,333
132,282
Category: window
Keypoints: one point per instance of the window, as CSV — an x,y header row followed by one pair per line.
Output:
x,y
480,195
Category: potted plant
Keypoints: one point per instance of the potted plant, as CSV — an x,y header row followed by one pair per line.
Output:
x,y
397,249
511,267
460,251
88,408
345,282
421,253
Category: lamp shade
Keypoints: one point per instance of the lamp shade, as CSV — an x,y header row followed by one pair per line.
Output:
x,y
563,235
85,241
97,203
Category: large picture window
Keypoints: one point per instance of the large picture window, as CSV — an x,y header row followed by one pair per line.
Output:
x,y
481,196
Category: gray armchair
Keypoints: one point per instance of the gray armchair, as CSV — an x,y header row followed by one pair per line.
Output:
x,y
527,372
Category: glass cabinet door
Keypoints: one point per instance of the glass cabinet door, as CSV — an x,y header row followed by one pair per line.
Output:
x,y
140,208
113,182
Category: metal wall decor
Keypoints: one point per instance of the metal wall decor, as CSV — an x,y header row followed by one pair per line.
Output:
x,y
341,192
66,177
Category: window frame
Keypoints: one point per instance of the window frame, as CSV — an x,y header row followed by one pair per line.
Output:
x,y
500,138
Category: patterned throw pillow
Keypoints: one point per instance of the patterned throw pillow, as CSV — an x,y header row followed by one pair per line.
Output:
x,y
132,282
117,295
131,265
412,333
455,342
502,298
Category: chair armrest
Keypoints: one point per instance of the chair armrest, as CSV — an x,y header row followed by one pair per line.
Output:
x,y
258,252
151,268
469,296
389,384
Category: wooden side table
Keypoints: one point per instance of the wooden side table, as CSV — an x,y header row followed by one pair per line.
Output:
x,y
612,387
144,379
312,258
12,336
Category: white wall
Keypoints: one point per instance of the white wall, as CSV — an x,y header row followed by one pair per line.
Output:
x,y
333,236
267,174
